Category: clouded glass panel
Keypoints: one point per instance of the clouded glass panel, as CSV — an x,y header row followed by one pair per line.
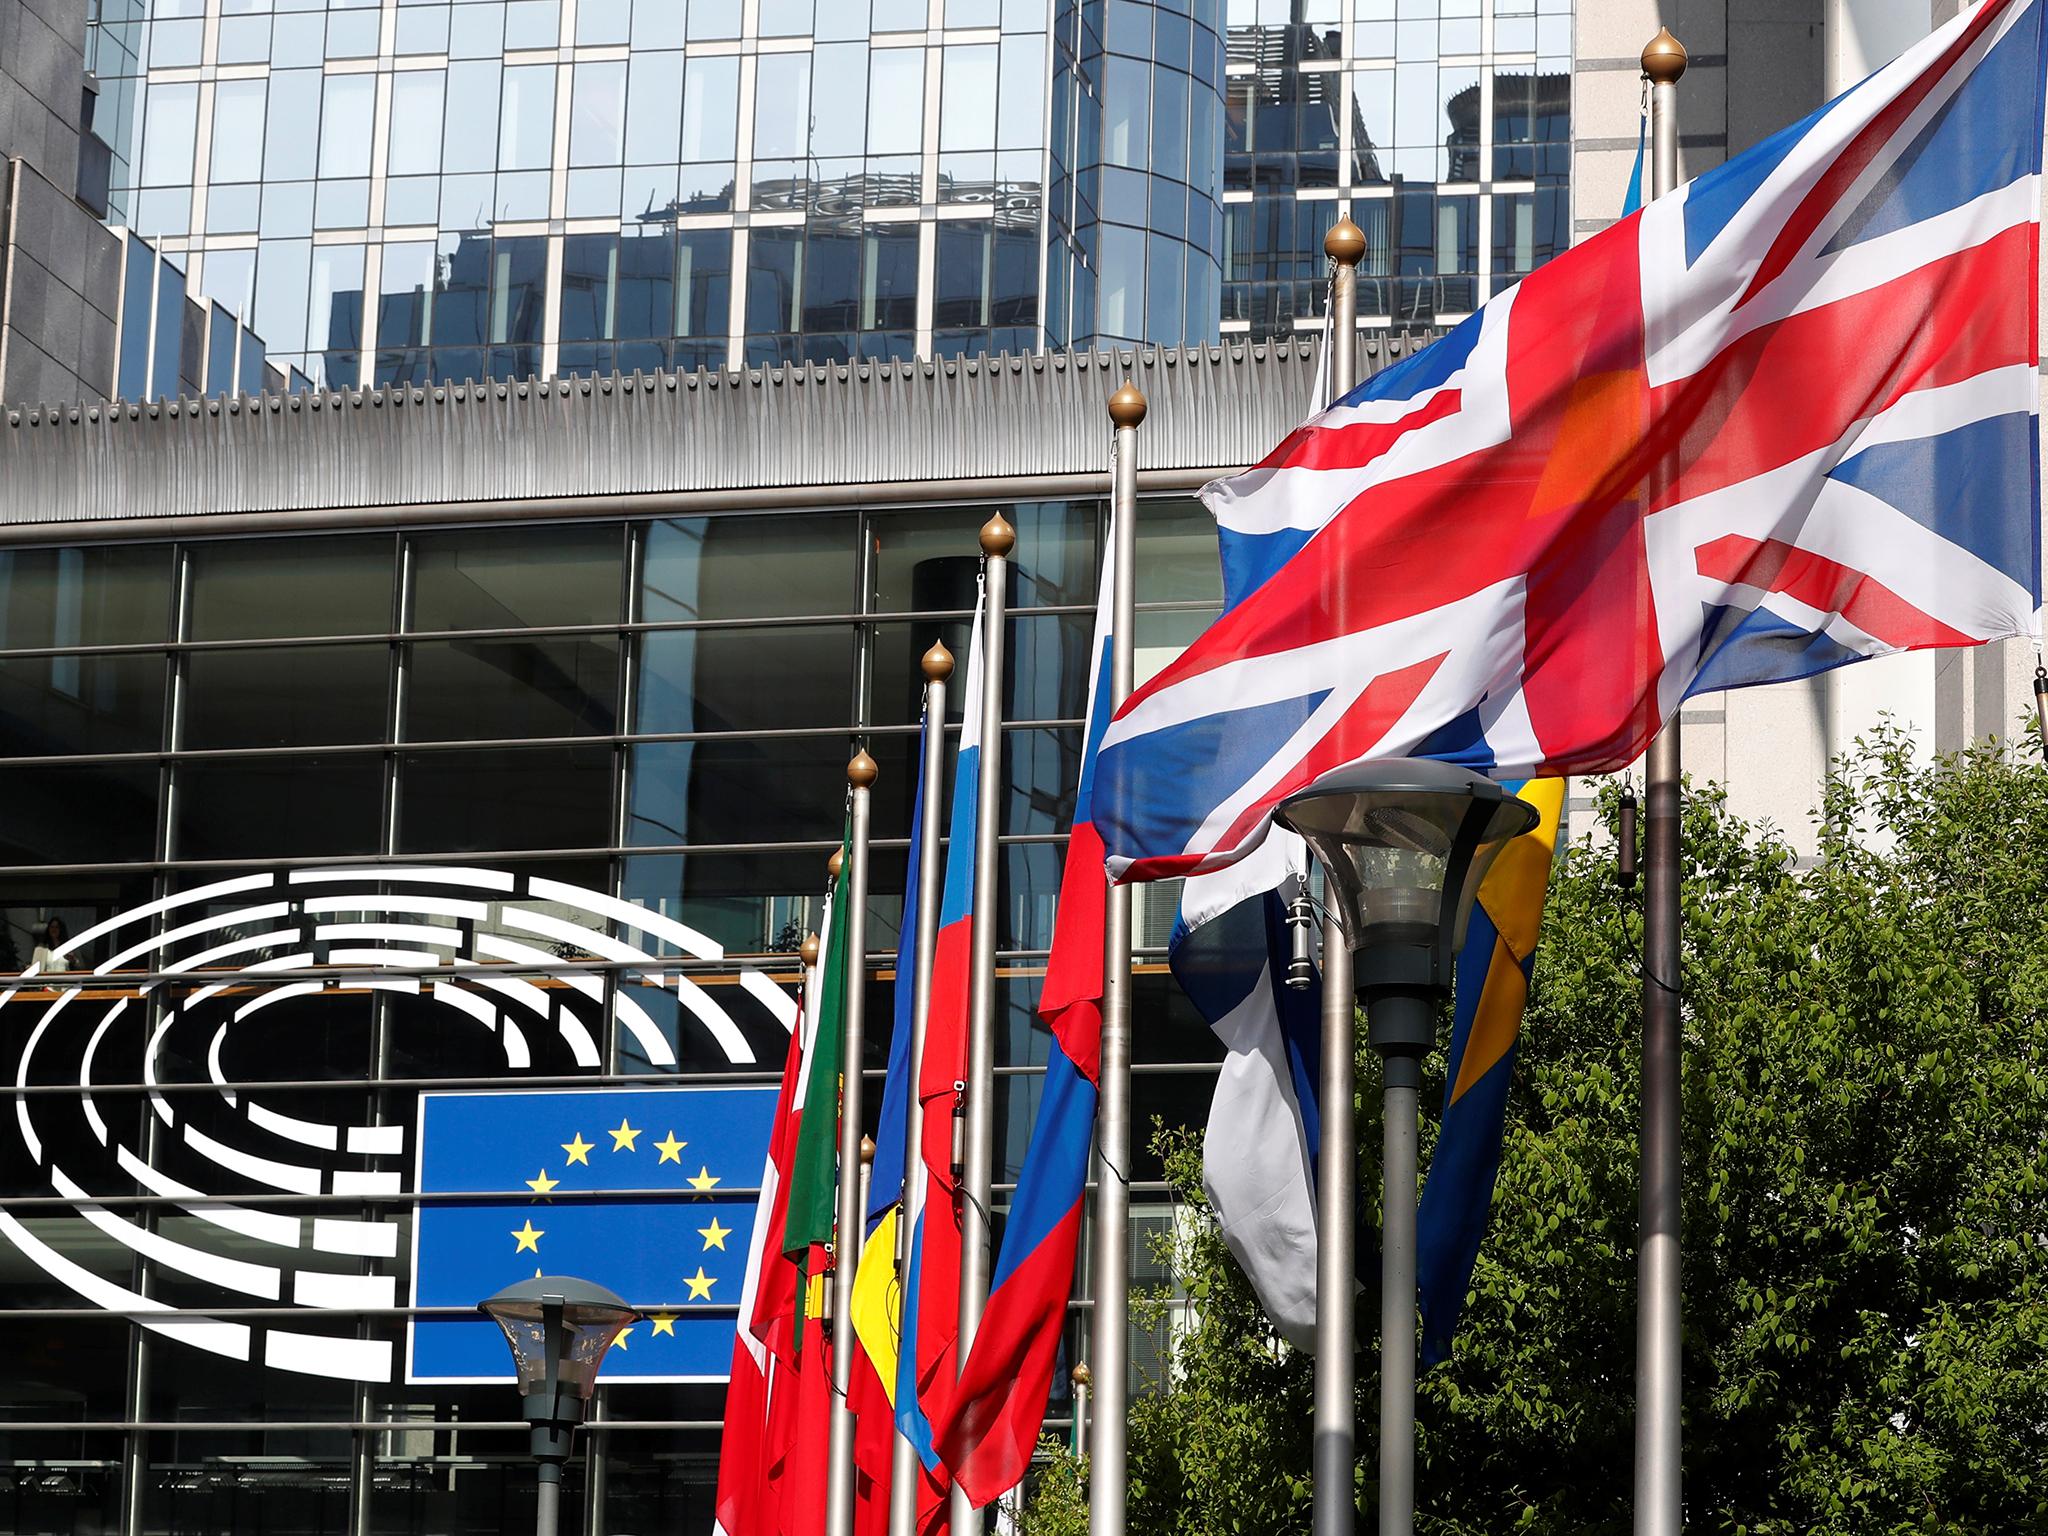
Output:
x,y
472,100
782,105
597,110
526,135
967,99
345,114
654,108
238,130
711,94
416,121
167,137
896,94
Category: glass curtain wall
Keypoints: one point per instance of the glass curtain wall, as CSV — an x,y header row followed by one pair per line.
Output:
x,y
1135,239
533,731
1442,126
468,189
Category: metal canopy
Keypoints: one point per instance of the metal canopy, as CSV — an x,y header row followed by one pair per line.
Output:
x,y
1001,427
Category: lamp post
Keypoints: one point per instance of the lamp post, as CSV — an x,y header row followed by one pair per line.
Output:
x,y
559,1329
1403,845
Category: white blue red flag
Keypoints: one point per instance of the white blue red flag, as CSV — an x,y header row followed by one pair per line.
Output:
x,y
1778,421
927,1362
999,1407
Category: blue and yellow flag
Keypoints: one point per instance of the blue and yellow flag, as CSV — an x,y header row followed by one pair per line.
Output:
x,y
1492,986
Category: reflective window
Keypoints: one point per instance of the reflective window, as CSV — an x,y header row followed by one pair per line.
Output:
x,y
727,567
271,588
750,679
347,105
62,705
167,136
597,107
748,790
478,690
710,108
311,695
238,107
416,96
526,135
108,595
278,807
506,797
517,578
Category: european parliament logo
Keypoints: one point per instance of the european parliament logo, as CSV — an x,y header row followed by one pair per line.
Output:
x,y
650,1193
277,1207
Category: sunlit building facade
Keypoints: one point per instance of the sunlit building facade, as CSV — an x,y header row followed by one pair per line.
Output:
x,y
452,189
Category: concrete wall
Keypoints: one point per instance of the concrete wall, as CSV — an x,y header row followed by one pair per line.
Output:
x,y
59,287
42,73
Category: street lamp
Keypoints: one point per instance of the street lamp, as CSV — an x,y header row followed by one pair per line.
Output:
x,y
1404,845
559,1328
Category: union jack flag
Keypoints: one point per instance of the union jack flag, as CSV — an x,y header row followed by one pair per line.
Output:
x,y
1780,420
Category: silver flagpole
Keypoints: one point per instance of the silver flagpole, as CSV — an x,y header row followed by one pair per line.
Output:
x,y
905,1470
977,1175
839,1491
1109,1341
1659,1506
1336,1408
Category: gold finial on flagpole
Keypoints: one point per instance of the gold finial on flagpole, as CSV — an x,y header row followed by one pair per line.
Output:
x,y
938,662
1664,60
809,952
998,538
860,773
1345,243
1127,405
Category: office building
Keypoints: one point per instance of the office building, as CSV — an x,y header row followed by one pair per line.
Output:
x,y
483,189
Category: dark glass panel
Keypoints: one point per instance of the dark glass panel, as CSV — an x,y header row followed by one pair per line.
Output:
x,y
283,807
260,588
77,815
749,567
645,287
529,797
774,274
301,696
928,558
517,578
745,679
962,275
115,595
704,285
832,286
786,789
890,297
77,704
29,902
589,277
475,690
1046,676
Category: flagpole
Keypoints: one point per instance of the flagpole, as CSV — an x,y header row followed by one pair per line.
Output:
x,y
1335,1454
839,1490
906,1470
1659,1505
1109,1327
977,1176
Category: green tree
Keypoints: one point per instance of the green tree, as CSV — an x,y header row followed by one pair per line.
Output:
x,y
1866,1205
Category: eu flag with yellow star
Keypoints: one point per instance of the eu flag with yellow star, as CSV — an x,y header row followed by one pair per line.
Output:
x,y
647,1191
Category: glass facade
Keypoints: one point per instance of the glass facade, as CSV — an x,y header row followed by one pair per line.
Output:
x,y
421,190
1442,126
499,188
227,758
1137,127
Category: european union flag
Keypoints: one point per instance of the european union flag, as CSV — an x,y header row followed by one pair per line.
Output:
x,y
681,1259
